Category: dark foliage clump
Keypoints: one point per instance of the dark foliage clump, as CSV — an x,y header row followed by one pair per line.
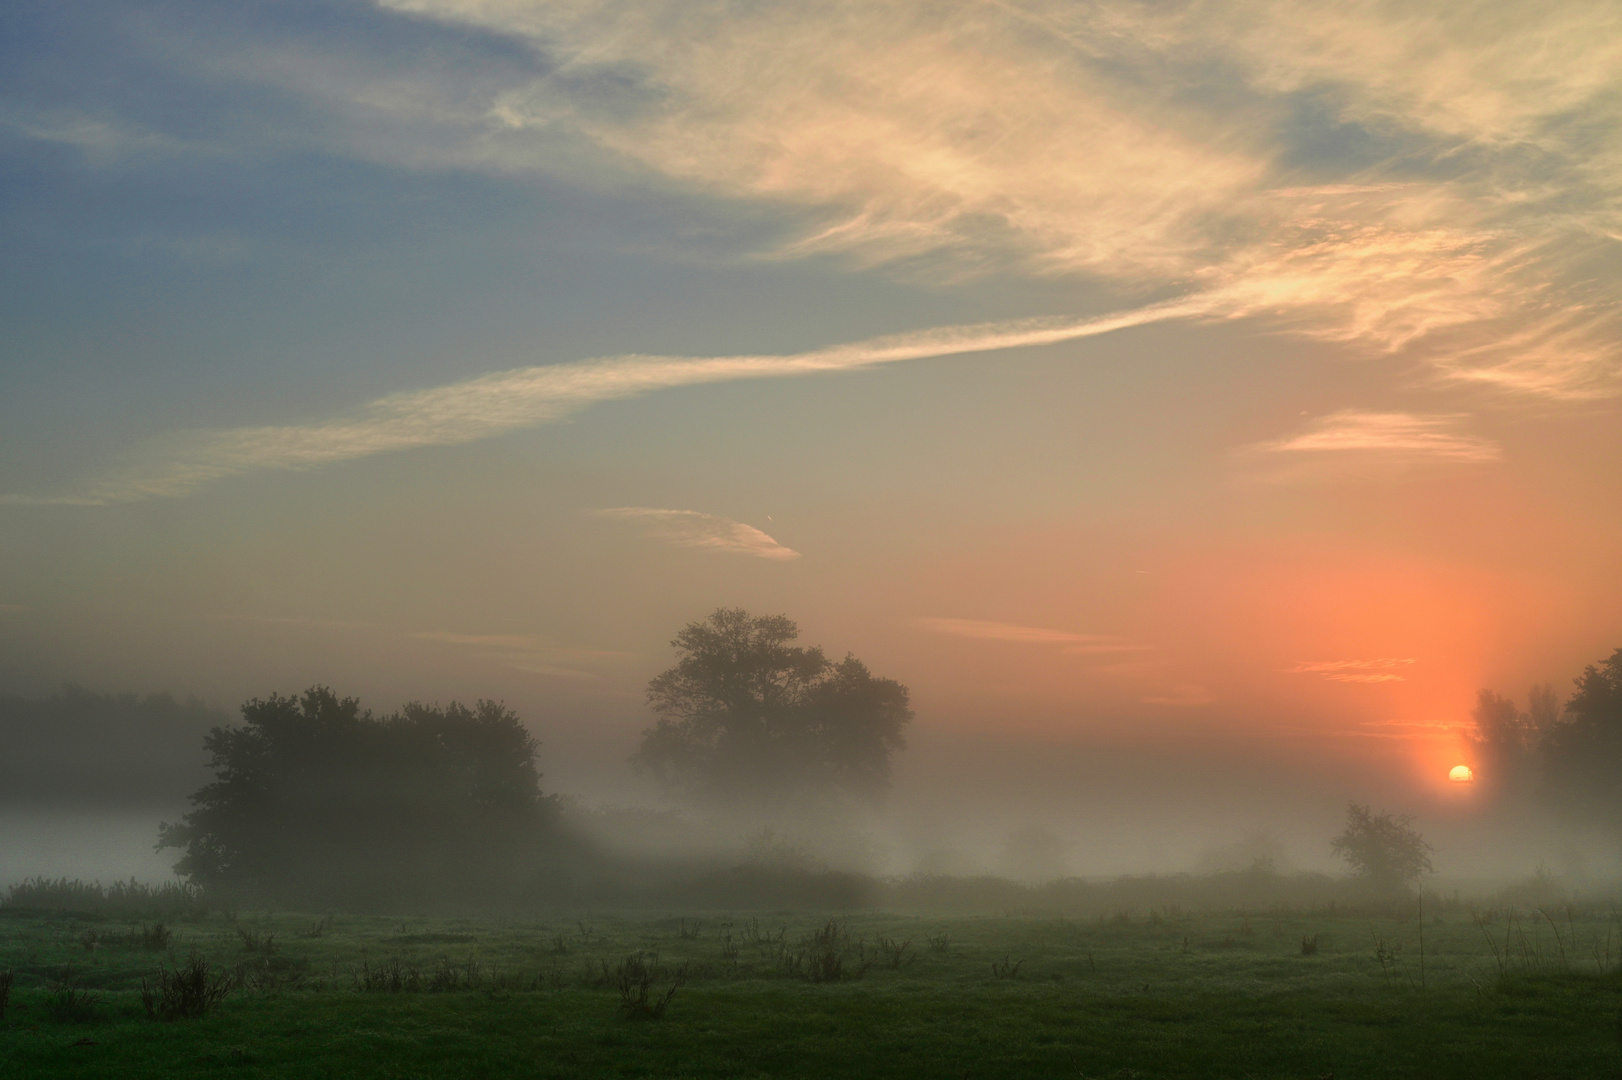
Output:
x,y
747,716
317,802
6,979
1384,850
1582,752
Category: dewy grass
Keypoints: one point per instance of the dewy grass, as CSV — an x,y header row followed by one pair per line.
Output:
x,y
470,997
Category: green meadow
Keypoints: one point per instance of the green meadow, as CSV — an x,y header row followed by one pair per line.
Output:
x,y
1168,993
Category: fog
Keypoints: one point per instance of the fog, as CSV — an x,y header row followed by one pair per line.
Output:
x,y
88,778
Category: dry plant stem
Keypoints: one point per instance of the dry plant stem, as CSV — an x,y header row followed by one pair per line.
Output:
x,y
1422,940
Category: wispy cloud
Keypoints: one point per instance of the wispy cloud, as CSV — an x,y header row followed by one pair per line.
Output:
x,y
522,652
1354,441
508,401
1187,695
707,532
981,630
1354,671
1467,223
102,140
537,655
1158,149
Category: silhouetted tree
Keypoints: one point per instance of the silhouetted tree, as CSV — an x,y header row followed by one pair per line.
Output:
x,y
1582,753
747,715
1506,742
1383,850
315,800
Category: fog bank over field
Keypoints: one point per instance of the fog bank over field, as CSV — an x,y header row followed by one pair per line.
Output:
x,y
92,776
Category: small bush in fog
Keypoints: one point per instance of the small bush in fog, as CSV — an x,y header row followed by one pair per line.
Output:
x,y
940,943
1309,945
635,978
1004,970
389,977
187,991
68,999
448,976
1383,850
826,955
253,941
896,954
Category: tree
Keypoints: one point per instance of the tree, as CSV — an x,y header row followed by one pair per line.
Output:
x,y
1383,850
316,801
1505,742
1582,754
747,715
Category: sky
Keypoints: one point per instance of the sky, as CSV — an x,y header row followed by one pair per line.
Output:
x,y
1231,388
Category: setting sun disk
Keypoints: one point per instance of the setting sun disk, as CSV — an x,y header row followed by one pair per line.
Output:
x,y
1461,774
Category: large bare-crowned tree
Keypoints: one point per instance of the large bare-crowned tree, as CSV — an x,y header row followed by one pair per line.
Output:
x,y
748,716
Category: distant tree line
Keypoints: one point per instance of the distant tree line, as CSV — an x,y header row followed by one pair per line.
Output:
x,y
1567,757
82,749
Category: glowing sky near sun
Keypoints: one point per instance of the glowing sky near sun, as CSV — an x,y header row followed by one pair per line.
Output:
x,y
1242,372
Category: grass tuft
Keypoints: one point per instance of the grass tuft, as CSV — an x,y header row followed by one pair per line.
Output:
x,y
188,991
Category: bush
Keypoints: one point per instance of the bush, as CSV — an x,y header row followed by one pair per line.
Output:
x,y
635,978
1384,850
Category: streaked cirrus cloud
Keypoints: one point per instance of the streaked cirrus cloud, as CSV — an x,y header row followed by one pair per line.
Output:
x,y
707,532
1183,695
1463,219
1358,442
507,401
982,630
1470,202
1360,671
524,652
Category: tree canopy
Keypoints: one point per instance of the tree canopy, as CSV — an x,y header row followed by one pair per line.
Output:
x,y
315,800
747,715
1506,741
1582,754
1383,850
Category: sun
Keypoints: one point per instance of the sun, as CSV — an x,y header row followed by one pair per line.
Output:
x,y
1461,774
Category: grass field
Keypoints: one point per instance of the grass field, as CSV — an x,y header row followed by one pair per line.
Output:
x,y
802,994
